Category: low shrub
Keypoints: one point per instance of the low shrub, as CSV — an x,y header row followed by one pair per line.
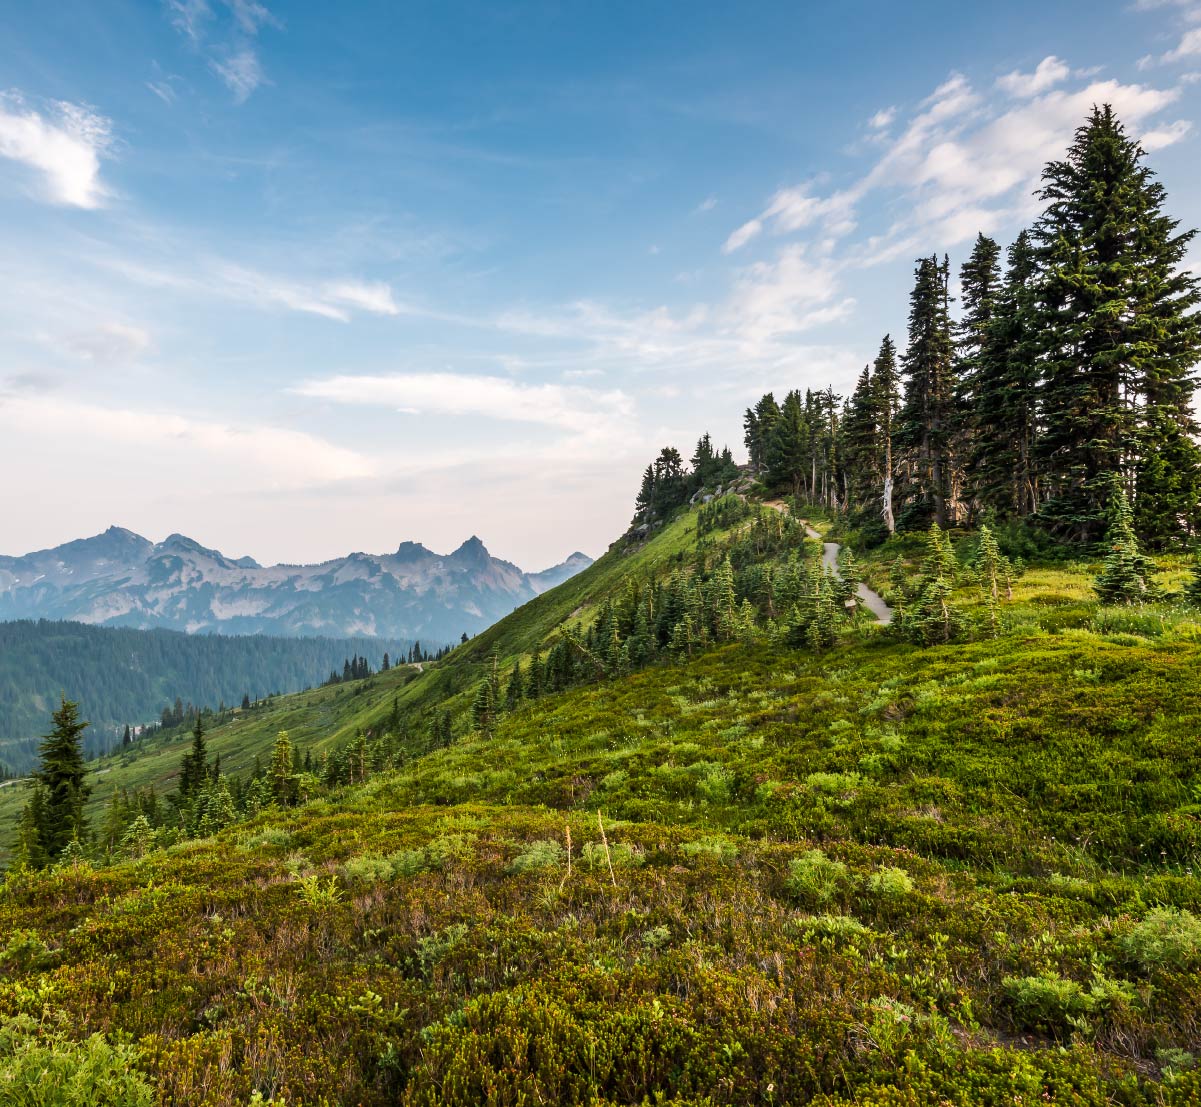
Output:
x,y
815,879
1166,940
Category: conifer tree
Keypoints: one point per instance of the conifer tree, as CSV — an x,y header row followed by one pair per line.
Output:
x,y
30,850
979,279
193,767
926,421
1126,573
787,455
61,774
990,564
886,392
1192,589
280,778
1120,340
861,454
1005,416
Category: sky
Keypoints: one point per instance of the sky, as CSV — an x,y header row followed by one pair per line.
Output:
x,y
297,279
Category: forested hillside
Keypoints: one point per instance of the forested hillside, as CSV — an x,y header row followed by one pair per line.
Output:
x,y
129,677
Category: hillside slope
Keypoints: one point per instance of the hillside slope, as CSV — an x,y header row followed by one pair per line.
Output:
x,y
875,874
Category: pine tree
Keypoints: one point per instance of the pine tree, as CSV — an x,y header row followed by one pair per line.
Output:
x,y
926,422
280,779
787,455
886,392
1005,416
990,564
61,774
979,279
1126,574
1120,340
759,424
193,767
861,453
30,850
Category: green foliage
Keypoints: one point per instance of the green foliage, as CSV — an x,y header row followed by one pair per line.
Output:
x,y
44,1068
538,856
1126,576
1167,940
814,879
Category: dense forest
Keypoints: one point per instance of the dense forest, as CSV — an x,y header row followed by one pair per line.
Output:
x,y
123,676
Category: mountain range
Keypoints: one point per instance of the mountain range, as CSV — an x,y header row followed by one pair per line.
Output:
x,y
119,578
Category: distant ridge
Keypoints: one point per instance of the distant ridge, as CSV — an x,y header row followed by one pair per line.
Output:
x,y
119,578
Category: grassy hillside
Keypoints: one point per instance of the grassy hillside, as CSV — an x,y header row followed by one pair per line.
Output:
x,y
879,874
325,718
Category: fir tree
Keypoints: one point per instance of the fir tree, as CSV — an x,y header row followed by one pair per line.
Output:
x,y
787,456
1120,340
926,421
886,386
979,279
1126,574
281,782
61,774
1005,416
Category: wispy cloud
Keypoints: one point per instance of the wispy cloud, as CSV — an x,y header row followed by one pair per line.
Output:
x,y
229,43
64,145
564,407
962,164
1050,72
241,72
273,457
330,299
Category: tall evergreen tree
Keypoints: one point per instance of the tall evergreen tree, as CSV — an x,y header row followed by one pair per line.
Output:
x,y
861,456
60,774
787,456
926,422
979,280
886,391
1005,416
1120,340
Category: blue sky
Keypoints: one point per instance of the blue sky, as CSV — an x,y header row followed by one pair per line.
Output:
x,y
297,279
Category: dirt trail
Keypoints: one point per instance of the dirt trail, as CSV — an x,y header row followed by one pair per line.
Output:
x,y
873,601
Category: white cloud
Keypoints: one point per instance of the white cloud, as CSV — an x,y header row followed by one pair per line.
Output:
x,y
961,165
188,16
64,146
1050,72
787,297
250,16
375,297
707,204
569,408
1167,135
173,446
163,90
882,119
241,72
334,300
1188,47
742,235
230,49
